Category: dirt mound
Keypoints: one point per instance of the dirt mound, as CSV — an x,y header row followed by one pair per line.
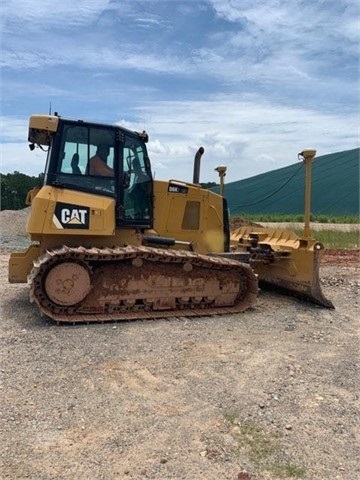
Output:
x,y
237,222
13,222
341,257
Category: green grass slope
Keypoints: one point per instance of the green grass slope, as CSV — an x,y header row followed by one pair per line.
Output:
x,y
335,188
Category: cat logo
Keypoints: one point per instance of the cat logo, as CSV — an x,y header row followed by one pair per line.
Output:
x,y
71,216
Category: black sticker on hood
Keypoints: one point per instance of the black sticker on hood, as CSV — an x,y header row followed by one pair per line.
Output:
x,y
71,216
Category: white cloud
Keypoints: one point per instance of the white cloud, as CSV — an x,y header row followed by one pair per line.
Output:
x,y
285,40
49,14
250,136
16,157
253,82
13,128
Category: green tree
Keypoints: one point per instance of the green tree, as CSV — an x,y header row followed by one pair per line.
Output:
x,y
14,187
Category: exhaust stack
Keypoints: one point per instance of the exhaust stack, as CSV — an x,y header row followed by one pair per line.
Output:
x,y
197,158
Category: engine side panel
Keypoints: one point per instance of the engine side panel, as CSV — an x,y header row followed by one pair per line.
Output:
x,y
189,213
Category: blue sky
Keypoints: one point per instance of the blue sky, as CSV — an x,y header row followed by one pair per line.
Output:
x,y
252,81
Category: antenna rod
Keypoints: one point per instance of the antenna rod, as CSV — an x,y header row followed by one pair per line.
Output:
x,y
221,169
308,156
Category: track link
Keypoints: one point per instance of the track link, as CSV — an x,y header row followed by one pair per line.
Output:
x,y
72,285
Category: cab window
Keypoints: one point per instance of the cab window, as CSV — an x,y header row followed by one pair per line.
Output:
x,y
89,153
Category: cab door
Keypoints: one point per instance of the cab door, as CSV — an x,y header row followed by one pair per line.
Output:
x,y
135,198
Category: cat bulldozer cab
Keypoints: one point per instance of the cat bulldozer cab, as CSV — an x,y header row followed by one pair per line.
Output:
x,y
122,245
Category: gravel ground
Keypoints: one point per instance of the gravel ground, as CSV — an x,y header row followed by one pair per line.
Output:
x,y
268,394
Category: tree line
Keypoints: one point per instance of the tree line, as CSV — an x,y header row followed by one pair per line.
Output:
x,y
14,187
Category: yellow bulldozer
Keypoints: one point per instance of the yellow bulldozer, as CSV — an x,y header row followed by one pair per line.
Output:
x,y
109,242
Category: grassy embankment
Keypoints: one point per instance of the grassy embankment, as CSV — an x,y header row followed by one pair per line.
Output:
x,y
329,237
336,239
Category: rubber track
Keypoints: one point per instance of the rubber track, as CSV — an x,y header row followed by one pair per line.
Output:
x,y
62,314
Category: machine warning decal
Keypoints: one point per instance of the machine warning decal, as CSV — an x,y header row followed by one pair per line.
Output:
x,y
175,188
71,216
